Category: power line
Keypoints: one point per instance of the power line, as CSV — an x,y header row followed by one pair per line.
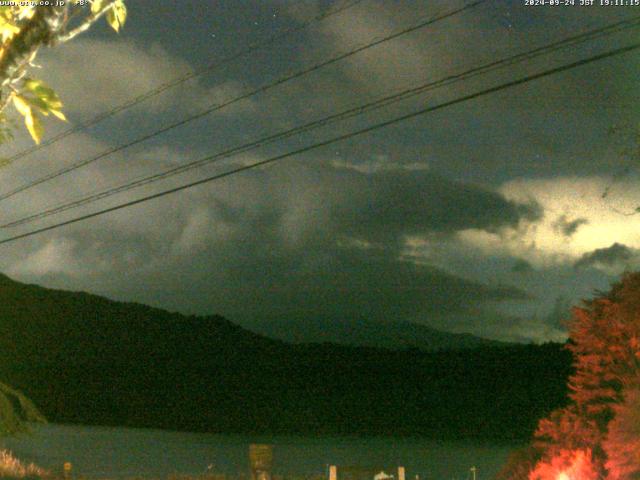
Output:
x,y
253,47
349,113
333,140
245,96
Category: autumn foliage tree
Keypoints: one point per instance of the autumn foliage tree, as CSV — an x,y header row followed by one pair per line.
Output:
x,y
622,445
598,435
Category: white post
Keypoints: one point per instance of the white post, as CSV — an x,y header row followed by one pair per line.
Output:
x,y
473,470
401,473
333,472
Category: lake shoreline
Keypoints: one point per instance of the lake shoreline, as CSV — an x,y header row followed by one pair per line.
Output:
x,y
115,452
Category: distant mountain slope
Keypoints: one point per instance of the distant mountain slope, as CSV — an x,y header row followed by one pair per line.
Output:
x,y
393,335
87,359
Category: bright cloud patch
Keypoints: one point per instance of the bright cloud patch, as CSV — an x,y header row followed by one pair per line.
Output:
x,y
56,256
578,221
122,70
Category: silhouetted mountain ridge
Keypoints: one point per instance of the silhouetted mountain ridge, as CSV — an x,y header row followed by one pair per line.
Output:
x,y
86,359
362,332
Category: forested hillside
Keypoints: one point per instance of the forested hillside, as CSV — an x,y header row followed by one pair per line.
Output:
x,y
86,359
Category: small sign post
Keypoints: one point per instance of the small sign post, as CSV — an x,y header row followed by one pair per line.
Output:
x,y
66,469
333,472
261,461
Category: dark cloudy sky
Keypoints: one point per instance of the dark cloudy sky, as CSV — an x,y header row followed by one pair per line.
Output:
x,y
487,217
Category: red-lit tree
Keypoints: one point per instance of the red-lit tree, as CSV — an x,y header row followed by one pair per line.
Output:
x,y
567,465
622,445
598,434
605,338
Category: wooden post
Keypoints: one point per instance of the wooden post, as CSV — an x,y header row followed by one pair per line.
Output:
x,y
333,472
66,469
401,473
261,461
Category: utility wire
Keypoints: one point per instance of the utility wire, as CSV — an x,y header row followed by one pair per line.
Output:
x,y
252,93
352,112
336,139
252,47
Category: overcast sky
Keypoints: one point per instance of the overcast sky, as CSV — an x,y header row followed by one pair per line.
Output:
x,y
489,217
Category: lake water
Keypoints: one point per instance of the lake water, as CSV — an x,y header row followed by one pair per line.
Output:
x,y
125,452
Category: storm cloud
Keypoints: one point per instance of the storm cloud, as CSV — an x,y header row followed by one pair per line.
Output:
x,y
616,255
401,202
569,227
470,219
239,256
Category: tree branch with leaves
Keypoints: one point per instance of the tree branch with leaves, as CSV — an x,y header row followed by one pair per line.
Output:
x,y
24,30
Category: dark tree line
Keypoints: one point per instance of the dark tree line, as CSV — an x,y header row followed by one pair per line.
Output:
x,y
85,359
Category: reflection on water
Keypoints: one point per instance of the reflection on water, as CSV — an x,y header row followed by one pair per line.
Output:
x,y
126,452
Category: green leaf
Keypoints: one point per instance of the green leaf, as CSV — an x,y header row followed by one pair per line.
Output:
x,y
39,103
58,114
117,15
96,6
42,91
7,29
31,119
34,125
46,100
33,85
21,105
